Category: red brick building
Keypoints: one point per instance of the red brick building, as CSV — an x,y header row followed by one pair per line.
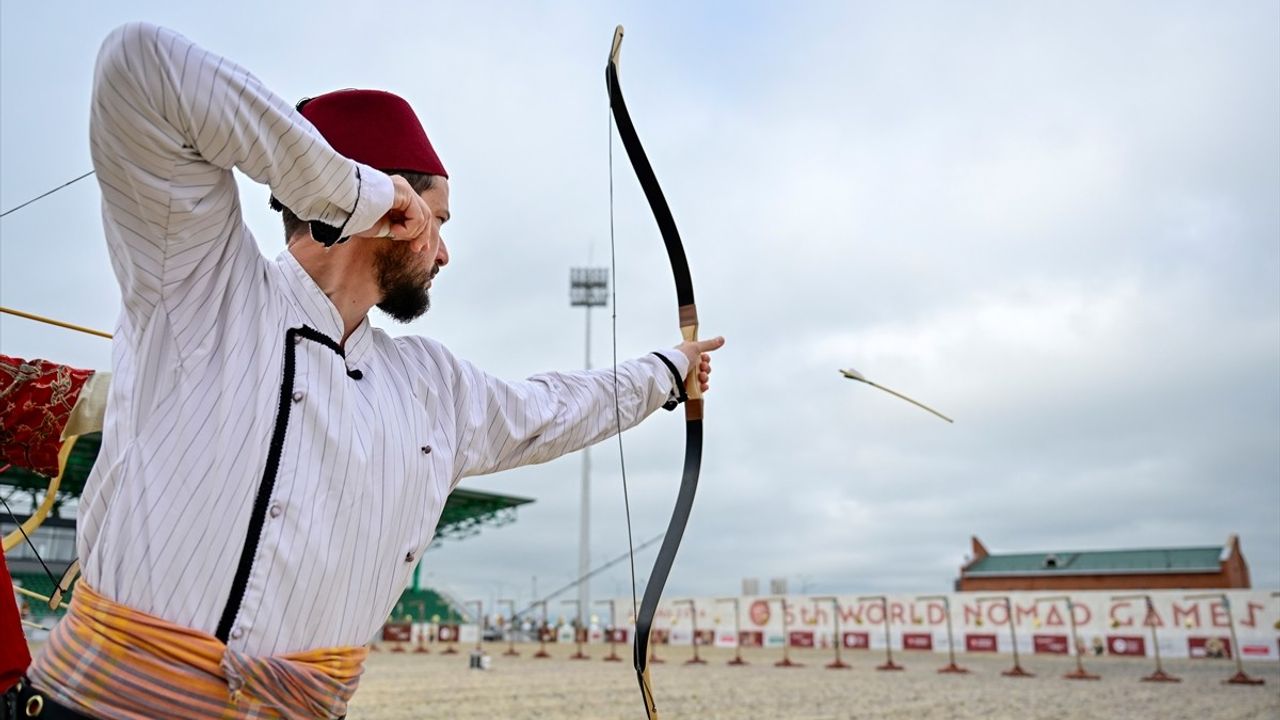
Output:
x,y
1212,567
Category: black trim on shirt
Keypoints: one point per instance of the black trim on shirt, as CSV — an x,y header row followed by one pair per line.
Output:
x,y
268,484
678,381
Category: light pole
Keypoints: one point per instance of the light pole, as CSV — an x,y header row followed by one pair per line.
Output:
x,y
838,664
1159,675
589,288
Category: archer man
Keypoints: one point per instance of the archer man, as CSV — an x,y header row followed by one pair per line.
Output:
x,y
272,465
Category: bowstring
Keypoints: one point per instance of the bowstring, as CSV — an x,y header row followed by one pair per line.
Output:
x,y
617,411
56,583
46,194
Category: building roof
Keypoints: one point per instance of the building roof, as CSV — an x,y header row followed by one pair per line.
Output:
x,y
1099,562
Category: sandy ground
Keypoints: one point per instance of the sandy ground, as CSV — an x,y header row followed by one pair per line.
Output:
x,y
402,686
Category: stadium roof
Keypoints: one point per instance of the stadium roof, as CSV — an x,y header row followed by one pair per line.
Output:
x,y
465,512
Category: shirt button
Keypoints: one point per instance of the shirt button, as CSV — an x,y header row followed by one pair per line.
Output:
x,y
426,449
298,395
237,633
408,557
276,510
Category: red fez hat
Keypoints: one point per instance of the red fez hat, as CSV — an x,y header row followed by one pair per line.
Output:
x,y
373,127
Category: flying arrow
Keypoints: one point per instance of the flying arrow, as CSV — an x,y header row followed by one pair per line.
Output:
x,y
855,375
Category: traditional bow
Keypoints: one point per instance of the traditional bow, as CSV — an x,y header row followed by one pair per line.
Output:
x,y
693,406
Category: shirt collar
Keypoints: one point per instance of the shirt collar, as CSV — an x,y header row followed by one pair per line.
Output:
x,y
318,310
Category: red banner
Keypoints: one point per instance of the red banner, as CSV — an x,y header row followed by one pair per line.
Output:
x,y
397,632
705,637
979,642
1050,644
856,640
751,638
617,635
1209,647
1127,645
800,638
659,637
447,633
917,641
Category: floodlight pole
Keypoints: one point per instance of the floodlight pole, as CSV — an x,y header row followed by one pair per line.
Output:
x,y
951,667
588,288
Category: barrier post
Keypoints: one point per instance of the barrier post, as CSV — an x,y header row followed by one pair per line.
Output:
x,y
737,632
1159,675
1016,670
889,664
511,628
951,666
578,632
1241,677
786,639
542,633
693,617
613,635
1079,673
836,664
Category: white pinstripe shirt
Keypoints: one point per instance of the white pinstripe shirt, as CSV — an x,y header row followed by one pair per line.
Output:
x,y
201,388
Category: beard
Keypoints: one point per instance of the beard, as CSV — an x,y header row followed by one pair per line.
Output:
x,y
403,283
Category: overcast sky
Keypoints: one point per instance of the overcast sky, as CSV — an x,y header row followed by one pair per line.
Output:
x,y
1058,223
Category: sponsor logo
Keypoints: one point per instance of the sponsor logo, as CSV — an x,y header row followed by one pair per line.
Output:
x,y
979,642
917,641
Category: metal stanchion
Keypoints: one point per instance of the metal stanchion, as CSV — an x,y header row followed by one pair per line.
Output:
x,y
578,632
889,664
613,630
836,664
786,639
1079,673
1016,670
951,666
737,632
1241,677
693,616
1159,675
542,633
511,628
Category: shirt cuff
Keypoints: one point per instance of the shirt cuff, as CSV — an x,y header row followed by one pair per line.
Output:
x,y
376,195
681,363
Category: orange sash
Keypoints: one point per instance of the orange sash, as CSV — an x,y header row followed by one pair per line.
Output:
x,y
105,658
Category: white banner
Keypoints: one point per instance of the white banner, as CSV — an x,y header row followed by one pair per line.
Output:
x,y
1106,623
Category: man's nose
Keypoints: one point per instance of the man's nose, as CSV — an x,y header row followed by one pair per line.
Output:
x,y
442,255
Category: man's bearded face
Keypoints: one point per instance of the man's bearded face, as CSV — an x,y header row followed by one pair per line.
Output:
x,y
404,279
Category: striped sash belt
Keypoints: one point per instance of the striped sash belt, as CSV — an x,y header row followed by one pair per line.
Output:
x,y
114,662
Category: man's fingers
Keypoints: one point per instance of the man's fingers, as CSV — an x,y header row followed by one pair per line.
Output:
x,y
705,346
